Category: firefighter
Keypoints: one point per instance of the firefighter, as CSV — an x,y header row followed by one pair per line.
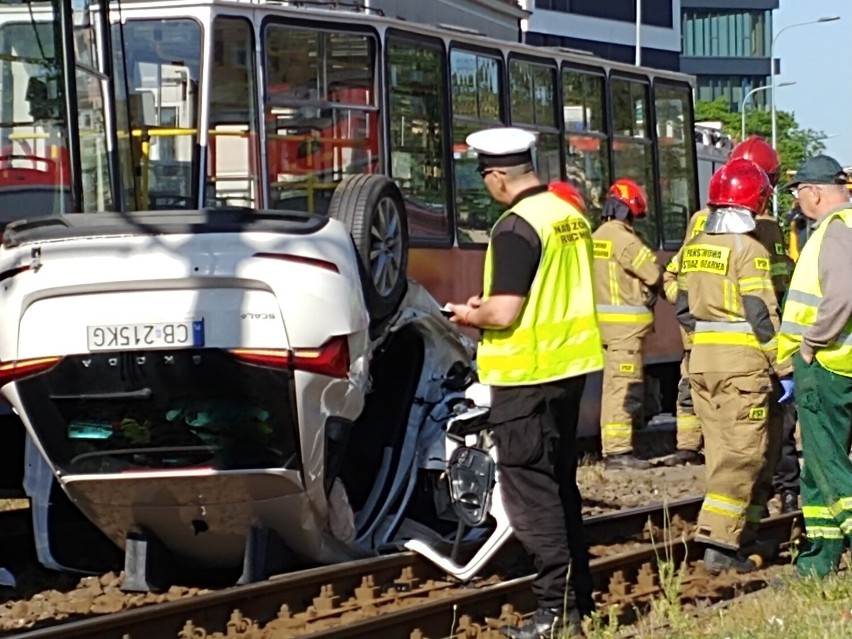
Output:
x,y
728,304
540,340
768,232
816,334
627,282
688,425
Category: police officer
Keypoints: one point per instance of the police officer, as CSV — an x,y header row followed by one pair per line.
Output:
x,y
627,282
540,339
817,333
768,232
728,304
688,425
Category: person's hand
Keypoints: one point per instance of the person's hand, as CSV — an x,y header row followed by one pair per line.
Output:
x,y
460,313
807,357
475,301
789,390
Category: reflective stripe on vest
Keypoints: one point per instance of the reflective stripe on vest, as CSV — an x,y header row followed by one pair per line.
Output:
x,y
555,335
624,314
803,300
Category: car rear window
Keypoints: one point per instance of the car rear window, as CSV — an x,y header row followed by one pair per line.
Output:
x,y
161,410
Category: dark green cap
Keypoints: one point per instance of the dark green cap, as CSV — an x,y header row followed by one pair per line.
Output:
x,y
820,169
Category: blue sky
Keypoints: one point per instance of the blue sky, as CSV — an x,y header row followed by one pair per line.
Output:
x,y
818,58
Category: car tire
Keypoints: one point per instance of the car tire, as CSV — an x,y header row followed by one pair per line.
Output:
x,y
373,211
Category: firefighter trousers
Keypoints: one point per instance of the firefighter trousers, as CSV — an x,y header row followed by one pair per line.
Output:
x,y
742,434
623,396
537,461
825,414
688,424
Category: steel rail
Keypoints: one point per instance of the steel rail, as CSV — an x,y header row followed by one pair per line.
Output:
x,y
436,619
262,601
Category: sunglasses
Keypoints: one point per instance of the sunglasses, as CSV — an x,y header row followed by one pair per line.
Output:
x,y
484,172
795,191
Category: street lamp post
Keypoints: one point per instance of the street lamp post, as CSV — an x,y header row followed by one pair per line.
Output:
x,y
772,85
745,99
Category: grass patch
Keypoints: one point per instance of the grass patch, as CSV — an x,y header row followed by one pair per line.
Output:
x,y
795,609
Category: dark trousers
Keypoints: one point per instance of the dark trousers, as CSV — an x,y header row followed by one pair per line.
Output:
x,y
537,461
786,478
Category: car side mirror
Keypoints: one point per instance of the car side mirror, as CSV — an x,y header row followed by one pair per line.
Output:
x,y
471,474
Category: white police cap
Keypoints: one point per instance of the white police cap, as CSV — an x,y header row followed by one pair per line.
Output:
x,y
502,146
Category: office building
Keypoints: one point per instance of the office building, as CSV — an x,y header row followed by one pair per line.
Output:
x,y
608,29
726,45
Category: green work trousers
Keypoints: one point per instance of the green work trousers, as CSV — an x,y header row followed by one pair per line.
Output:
x,y
825,414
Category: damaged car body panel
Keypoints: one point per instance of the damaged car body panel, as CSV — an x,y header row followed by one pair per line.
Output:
x,y
192,377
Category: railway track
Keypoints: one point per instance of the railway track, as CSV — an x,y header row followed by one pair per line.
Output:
x,y
310,600
402,595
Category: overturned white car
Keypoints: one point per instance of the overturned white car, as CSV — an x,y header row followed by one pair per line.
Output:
x,y
206,387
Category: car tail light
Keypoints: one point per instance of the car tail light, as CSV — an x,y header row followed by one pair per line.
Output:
x,y
332,358
301,259
272,358
13,371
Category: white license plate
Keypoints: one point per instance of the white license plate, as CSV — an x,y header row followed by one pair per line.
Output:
x,y
116,337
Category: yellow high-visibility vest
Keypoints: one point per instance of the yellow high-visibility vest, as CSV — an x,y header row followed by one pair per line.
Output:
x,y
555,335
803,299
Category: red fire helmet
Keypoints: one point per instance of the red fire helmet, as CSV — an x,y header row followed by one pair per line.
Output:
x,y
569,193
740,183
759,151
631,194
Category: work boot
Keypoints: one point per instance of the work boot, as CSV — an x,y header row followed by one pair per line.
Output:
x,y
684,458
625,461
789,502
545,623
718,560
766,549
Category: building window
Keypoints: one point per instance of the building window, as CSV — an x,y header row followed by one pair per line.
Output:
x,y
733,89
734,34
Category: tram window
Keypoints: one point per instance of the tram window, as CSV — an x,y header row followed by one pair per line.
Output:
x,y
94,160
586,142
161,63
476,82
633,159
321,112
533,92
632,151
630,108
675,150
232,156
34,162
418,102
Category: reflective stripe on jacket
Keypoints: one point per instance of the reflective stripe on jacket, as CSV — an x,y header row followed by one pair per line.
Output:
x,y
803,300
555,335
626,271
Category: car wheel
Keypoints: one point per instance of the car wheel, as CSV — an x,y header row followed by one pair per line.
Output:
x,y
373,211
